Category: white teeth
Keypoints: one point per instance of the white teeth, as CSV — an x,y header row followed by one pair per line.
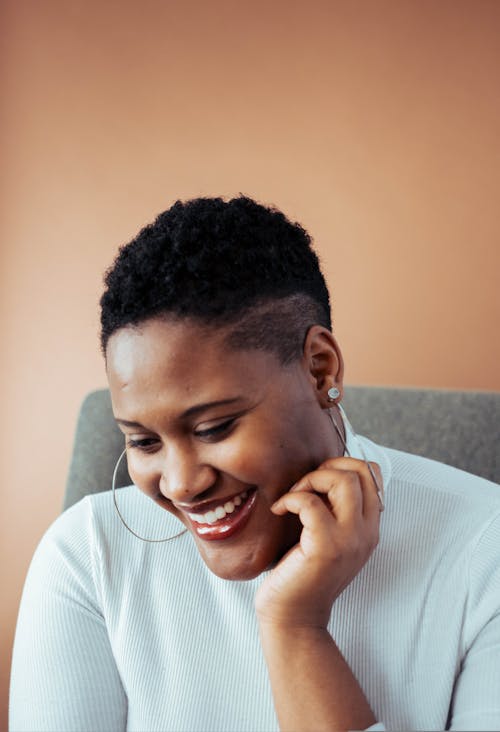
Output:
x,y
218,513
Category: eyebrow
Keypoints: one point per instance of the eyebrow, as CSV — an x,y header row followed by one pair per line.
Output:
x,y
188,413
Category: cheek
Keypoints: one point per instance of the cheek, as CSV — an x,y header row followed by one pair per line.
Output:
x,y
262,444
256,463
148,481
246,459
144,475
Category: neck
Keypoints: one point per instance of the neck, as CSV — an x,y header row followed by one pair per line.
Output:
x,y
336,423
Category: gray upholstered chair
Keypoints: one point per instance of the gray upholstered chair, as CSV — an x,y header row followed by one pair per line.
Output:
x,y
455,427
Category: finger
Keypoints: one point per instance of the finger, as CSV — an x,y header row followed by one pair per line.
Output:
x,y
370,479
314,515
322,532
369,490
340,488
370,476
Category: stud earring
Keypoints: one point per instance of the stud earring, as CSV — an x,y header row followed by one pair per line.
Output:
x,y
333,393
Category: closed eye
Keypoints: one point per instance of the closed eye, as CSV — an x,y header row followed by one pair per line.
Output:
x,y
145,443
211,434
218,432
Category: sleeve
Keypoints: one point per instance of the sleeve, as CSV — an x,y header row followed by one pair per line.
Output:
x,y
476,697
64,676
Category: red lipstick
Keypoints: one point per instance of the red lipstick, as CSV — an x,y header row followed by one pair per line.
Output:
x,y
224,518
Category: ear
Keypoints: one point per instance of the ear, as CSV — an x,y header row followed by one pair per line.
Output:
x,y
324,364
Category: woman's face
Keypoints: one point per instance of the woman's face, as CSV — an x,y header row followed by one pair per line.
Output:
x,y
215,436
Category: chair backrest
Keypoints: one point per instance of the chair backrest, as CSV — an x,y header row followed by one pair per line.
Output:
x,y
456,427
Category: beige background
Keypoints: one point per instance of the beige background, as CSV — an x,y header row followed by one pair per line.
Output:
x,y
375,123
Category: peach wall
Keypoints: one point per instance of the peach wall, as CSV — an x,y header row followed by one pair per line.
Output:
x,y
376,124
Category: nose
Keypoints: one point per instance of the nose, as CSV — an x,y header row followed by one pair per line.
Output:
x,y
184,478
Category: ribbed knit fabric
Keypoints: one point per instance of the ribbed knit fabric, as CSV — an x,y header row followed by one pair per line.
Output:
x,y
117,634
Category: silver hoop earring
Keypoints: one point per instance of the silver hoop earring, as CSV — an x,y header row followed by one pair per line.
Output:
x,y
113,488
380,490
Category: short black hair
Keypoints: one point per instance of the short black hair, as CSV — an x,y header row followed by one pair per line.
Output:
x,y
235,264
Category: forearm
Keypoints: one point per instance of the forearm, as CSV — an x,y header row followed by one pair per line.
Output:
x,y
312,685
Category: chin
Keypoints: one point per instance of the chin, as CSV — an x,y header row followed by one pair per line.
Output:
x,y
245,561
257,545
236,575
233,566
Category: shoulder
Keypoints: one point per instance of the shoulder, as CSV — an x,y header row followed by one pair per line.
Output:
x,y
414,472
441,523
436,507
94,520
410,477
89,543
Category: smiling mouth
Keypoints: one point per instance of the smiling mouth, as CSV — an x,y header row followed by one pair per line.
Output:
x,y
225,519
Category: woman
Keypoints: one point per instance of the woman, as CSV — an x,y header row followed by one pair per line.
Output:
x,y
269,605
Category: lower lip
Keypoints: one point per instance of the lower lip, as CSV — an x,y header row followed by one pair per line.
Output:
x,y
228,526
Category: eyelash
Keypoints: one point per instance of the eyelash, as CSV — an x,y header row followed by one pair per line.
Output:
x,y
219,429
141,444
210,435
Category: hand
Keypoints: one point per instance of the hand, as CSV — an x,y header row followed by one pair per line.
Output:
x,y
339,509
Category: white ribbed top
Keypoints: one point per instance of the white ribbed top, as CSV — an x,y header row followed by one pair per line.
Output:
x,y
117,634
